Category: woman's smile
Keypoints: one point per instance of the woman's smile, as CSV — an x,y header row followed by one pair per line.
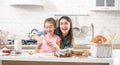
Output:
x,y
64,28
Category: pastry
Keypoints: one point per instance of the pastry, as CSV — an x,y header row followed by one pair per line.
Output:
x,y
99,39
79,52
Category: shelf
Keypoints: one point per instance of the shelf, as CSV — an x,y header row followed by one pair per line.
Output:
x,y
26,3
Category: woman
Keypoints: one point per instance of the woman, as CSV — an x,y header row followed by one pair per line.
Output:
x,y
64,30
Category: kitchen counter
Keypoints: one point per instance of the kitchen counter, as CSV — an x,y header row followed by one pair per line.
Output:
x,y
48,57
115,46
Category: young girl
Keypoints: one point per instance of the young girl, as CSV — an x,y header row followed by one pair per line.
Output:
x,y
48,42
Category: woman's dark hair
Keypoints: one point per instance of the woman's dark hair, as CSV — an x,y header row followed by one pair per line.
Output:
x,y
69,36
50,20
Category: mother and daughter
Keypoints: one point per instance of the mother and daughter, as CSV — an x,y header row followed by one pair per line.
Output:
x,y
55,38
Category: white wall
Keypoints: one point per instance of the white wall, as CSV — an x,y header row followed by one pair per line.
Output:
x,y
21,21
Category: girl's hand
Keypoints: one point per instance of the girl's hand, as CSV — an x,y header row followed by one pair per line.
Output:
x,y
36,37
50,44
54,46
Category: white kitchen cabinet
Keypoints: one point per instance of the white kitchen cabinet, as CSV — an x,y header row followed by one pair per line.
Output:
x,y
107,5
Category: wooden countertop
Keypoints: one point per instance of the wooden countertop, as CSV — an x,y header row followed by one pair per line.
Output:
x,y
115,46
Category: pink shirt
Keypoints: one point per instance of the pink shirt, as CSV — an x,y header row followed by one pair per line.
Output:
x,y
43,43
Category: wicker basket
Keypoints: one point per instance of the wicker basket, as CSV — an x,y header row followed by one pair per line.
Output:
x,y
101,50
